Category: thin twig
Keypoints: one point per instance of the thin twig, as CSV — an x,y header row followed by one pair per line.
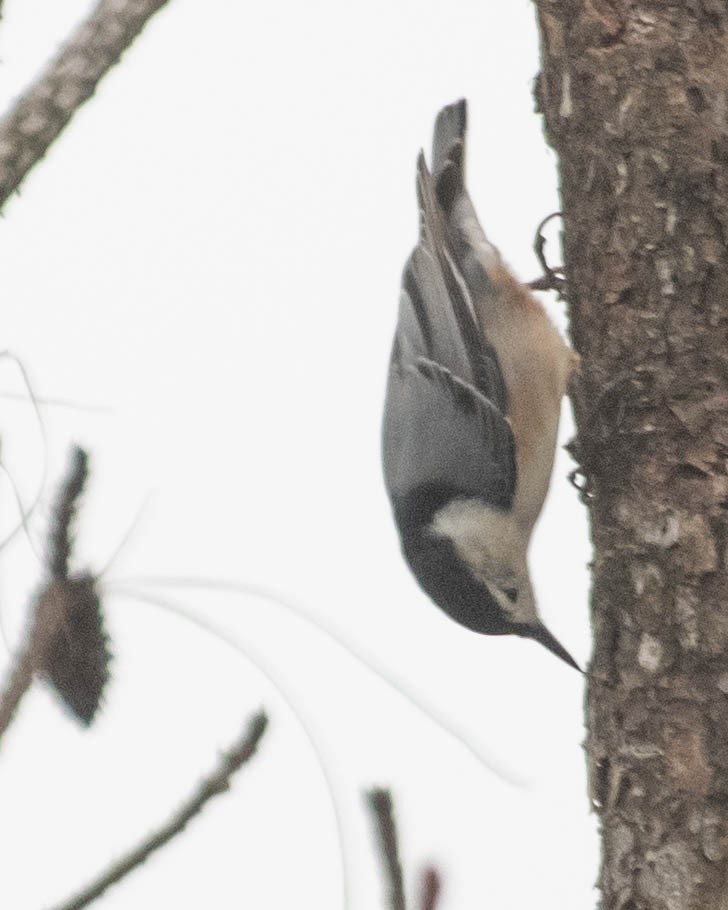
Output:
x,y
26,513
17,684
47,402
430,887
214,784
64,511
380,804
40,114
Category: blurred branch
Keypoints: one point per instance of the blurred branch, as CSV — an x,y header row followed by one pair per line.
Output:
x,y
212,785
44,621
43,110
380,804
64,511
430,888
47,608
78,658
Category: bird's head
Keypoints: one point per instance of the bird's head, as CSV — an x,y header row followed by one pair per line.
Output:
x,y
471,560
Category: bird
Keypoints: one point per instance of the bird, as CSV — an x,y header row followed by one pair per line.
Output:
x,y
476,378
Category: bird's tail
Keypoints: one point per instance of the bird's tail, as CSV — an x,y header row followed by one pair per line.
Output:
x,y
448,153
450,129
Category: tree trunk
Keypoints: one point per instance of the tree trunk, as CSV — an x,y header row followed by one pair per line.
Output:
x,y
635,99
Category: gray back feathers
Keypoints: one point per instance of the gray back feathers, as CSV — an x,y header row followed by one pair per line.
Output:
x,y
445,414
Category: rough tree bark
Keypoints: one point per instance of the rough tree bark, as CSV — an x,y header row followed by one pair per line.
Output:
x,y
635,100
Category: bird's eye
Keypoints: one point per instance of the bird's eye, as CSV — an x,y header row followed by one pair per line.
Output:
x,y
511,594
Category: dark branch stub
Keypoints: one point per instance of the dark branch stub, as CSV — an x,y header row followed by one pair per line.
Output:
x,y
430,888
78,655
65,642
380,804
76,659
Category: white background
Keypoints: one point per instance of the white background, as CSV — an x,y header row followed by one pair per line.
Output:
x,y
211,254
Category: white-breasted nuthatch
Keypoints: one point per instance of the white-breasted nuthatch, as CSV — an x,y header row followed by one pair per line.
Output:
x,y
476,379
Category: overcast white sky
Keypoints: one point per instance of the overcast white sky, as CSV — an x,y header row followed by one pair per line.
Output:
x,y
212,254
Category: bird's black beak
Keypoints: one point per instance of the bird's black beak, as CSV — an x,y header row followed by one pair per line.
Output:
x,y
542,635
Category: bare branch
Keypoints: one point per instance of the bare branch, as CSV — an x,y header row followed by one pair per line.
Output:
x,y
41,113
380,804
48,608
76,659
212,785
64,511
18,683
44,622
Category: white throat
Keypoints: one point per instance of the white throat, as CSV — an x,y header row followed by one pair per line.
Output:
x,y
492,546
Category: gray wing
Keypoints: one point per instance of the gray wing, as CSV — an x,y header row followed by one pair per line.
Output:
x,y
436,316
444,420
439,430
